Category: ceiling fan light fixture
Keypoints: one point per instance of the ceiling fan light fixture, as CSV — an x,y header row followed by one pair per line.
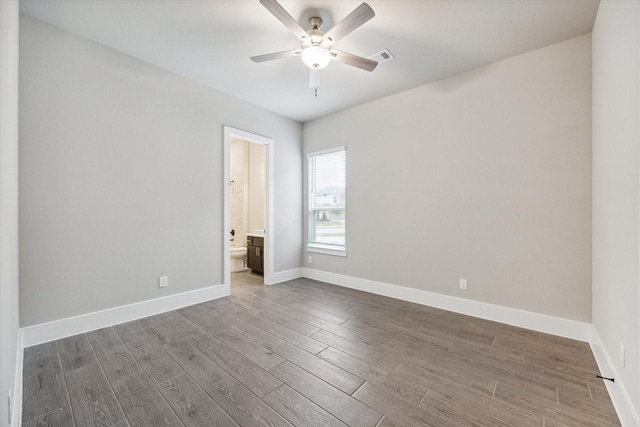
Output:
x,y
316,57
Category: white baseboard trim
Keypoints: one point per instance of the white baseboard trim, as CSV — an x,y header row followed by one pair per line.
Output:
x,y
283,276
511,316
617,391
16,409
45,332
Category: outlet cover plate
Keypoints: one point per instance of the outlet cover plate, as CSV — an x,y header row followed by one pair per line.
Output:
x,y
163,282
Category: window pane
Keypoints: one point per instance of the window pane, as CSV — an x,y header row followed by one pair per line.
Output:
x,y
328,226
327,199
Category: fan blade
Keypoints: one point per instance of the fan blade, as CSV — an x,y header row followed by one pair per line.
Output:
x,y
314,78
276,55
353,60
351,22
283,16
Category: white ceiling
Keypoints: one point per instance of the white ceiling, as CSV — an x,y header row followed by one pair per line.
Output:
x,y
211,42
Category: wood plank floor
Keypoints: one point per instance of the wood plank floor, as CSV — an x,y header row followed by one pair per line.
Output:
x,y
306,353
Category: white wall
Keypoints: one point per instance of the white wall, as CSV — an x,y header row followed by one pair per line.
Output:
x,y
9,345
257,185
122,180
484,176
616,190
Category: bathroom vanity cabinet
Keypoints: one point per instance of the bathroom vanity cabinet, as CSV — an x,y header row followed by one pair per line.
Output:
x,y
255,254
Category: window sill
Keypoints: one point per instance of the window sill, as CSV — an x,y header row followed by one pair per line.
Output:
x,y
326,250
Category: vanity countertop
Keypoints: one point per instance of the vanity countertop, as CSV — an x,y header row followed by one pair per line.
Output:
x,y
256,234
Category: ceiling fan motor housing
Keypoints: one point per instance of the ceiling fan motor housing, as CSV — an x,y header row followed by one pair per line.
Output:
x,y
315,22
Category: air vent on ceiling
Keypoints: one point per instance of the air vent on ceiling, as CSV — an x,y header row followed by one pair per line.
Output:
x,y
381,57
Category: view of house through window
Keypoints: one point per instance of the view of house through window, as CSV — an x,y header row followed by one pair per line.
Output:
x,y
327,198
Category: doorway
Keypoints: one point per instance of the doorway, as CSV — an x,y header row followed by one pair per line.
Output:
x,y
248,202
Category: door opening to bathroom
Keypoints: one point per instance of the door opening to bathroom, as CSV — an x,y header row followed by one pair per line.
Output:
x,y
248,218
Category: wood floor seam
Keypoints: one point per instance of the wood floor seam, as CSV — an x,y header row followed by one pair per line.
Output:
x,y
184,372
423,397
356,390
66,387
155,386
42,415
108,382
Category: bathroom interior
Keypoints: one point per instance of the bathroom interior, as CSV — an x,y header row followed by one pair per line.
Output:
x,y
248,201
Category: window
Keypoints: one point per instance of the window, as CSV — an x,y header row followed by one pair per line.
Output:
x,y
327,201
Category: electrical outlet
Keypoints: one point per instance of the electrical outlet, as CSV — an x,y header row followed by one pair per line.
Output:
x,y
310,259
622,358
463,284
163,282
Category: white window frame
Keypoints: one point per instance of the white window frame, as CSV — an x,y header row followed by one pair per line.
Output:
x,y
335,250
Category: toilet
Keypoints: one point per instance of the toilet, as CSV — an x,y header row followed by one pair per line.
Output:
x,y
238,256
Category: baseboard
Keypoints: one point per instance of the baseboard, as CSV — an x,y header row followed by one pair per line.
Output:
x,y
283,276
617,390
16,408
45,332
511,316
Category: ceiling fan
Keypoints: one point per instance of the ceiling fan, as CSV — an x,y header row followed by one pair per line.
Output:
x,y
317,46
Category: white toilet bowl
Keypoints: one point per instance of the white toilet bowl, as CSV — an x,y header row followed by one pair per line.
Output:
x,y
238,256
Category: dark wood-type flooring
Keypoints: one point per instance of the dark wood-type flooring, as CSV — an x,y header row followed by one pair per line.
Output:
x,y
306,353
